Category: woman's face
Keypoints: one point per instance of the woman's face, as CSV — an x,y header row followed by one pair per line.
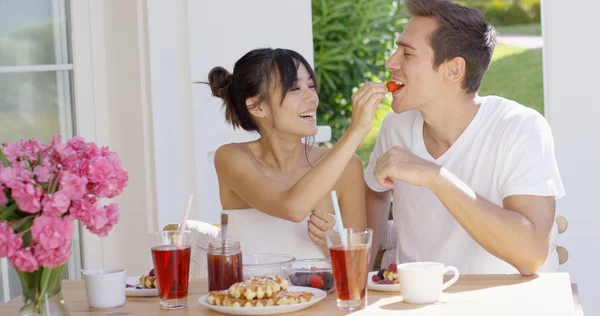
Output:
x,y
296,115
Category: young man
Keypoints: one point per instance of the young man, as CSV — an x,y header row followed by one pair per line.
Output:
x,y
474,178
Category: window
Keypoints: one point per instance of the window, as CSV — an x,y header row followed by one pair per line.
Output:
x,y
36,100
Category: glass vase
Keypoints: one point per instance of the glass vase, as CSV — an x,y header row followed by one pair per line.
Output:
x,y
42,294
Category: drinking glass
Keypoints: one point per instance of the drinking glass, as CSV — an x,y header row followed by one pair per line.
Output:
x,y
171,255
349,249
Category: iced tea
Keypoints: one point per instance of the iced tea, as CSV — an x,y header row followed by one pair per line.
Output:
x,y
172,268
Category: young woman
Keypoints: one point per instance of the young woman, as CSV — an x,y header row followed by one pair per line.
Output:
x,y
276,190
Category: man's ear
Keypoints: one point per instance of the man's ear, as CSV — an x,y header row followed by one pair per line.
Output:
x,y
455,69
257,108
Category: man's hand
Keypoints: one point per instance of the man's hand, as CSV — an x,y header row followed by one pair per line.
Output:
x,y
319,222
400,164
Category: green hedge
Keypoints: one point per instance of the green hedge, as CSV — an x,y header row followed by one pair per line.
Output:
x,y
503,12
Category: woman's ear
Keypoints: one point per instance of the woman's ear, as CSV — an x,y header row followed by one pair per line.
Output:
x,y
257,108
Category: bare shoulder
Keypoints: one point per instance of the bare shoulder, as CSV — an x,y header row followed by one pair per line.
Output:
x,y
355,167
232,155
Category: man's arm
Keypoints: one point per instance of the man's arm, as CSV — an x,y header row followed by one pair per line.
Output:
x,y
518,232
378,207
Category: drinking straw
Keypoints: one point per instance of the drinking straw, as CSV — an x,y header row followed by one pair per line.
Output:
x,y
338,219
183,224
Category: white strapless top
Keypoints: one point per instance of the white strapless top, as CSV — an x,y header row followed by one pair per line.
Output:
x,y
258,232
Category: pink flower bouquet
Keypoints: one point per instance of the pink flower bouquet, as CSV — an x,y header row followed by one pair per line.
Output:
x,y
43,190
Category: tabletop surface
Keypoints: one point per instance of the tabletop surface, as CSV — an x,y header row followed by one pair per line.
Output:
x,y
543,294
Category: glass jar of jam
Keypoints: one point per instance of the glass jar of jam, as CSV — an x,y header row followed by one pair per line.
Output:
x,y
224,265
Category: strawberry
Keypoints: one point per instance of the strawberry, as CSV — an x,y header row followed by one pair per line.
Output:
x,y
392,86
376,278
393,267
151,273
316,281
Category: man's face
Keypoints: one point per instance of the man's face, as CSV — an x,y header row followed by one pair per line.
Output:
x,y
412,65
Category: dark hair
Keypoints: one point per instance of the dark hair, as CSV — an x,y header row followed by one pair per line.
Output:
x,y
463,32
254,75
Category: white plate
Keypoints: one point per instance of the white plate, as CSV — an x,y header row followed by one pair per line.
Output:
x,y
269,310
132,291
381,287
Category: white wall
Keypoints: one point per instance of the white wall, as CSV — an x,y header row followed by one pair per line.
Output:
x,y
220,32
571,70
171,108
112,109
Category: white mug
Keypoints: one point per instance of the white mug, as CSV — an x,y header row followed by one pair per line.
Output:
x,y
105,288
422,282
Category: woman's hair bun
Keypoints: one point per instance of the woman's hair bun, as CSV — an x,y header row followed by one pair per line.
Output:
x,y
219,80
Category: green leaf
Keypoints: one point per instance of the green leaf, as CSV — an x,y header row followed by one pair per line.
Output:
x,y
44,280
4,160
7,212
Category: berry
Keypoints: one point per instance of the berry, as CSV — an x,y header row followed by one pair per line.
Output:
x,y
302,279
380,274
151,273
376,278
393,267
328,278
392,86
294,279
316,281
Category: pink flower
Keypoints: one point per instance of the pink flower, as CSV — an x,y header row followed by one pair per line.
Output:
x,y
11,151
97,220
73,186
56,204
103,219
16,173
52,258
27,197
55,140
31,148
9,241
9,176
99,169
42,172
24,260
81,209
52,232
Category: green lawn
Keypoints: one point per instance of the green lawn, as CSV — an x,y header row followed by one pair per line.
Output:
x,y
522,29
515,73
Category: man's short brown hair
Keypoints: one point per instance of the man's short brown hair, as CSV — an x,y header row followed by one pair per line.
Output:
x,y
463,32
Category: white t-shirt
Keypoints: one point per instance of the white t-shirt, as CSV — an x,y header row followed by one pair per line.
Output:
x,y
507,149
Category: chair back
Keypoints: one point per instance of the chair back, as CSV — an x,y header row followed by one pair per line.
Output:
x,y
202,234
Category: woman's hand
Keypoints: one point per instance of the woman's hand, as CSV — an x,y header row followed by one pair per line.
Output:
x,y
319,222
364,104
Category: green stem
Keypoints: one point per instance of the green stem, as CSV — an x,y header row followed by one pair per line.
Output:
x,y
55,182
8,211
4,160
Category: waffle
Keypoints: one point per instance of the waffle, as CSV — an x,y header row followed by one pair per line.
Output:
x,y
281,284
289,298
258,292
258,287
222,298
148,282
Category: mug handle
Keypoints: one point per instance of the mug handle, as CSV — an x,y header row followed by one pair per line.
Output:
x,y
454,278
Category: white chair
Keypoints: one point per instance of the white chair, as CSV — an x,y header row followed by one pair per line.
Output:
x,y
202,235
